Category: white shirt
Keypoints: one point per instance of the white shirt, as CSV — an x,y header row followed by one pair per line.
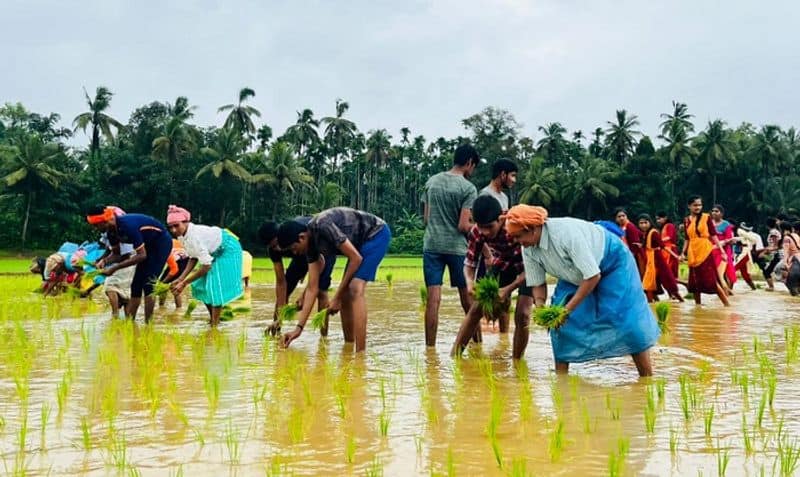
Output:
x,y
569,249
200,241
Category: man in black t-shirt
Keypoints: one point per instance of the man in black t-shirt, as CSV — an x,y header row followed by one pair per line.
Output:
x,y
286,280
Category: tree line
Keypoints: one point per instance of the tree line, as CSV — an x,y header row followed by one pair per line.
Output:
x,y
240,173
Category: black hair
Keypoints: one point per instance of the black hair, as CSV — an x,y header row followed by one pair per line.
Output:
x,y
289,233
267,232
645,217
486,209
693,198
771,222
503,165
720,208
786,227
465,154
96,210
781,216
663,215
620,209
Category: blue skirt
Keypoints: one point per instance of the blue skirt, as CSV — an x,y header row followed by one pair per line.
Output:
x,y
223,283
614,320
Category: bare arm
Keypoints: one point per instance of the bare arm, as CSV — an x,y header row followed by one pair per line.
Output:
x,y
309,298
584,289
281,287
426,213
354,260
540,295
139,257
464,223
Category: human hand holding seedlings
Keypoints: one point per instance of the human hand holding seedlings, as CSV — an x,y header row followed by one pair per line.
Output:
x,y
274,328
108,271
177,287
334,305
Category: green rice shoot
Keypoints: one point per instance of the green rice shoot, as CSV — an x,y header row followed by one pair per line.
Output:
x,y
487,293
288,312
318,320
662,315
550,317
160,289
423,295
190,307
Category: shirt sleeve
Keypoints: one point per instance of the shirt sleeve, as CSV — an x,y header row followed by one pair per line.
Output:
x,y
197,250
469,197
534,271
578,248
327,230
474,247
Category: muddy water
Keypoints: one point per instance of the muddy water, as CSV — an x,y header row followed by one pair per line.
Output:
x,y
178,399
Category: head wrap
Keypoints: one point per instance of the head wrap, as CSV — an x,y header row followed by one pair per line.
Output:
x,y
522,217
106,216
177,214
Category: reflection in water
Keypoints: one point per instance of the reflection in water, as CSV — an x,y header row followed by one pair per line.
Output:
x,y
178,397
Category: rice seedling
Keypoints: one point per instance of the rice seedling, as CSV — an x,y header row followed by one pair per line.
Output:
x,y
762,404
232,442
390,280
747,437
616,459
685,396
723,459
792,337
190,307
650,411
613,407
288,312
350,449
789,455
383,424
211,387
495,414
318,319
673,441
22,434
160,289
661,389
423,296
772,384
45,418
451,463
519,467
375,468
662,315
86,433
487,294
556,442
708,419
586,418
550,317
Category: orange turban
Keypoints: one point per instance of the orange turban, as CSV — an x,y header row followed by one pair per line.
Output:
x,y
106,216
521,217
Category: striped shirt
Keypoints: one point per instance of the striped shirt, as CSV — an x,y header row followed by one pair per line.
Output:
x,y
505,253
569,249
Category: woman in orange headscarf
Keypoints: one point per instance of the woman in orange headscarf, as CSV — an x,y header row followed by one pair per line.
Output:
x,y
702,252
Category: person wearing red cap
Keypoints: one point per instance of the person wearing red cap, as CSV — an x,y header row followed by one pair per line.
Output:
x,y
218,281
152,245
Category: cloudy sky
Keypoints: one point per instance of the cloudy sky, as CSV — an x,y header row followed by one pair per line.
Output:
x,y
422,64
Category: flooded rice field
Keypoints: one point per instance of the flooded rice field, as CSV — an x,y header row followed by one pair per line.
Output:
x,y
81,394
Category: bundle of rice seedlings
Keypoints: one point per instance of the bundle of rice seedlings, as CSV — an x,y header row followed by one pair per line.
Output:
x,y
318,320
487,294
288,312
550,317
72,292
423,295
227,314
190,308
160,289
662,314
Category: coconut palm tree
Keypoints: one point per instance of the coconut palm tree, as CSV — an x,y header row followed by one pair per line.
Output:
x,y
715,152
768,150
540,184
590,184
339,133
553,145
240,117
96,117
680,119
224,156
596,147
303,133
29,169
285,173
175,137
621,136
